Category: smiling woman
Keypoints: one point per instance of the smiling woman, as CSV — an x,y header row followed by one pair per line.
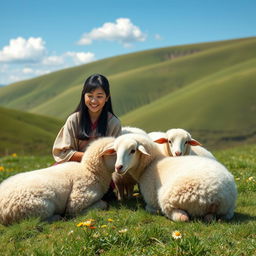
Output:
x,y
93,118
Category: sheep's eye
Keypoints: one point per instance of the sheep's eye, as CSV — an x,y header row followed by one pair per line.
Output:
x,y
186,142
170,141
132,151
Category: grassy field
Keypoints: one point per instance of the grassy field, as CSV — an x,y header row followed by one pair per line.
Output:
x,y
127,229
26,133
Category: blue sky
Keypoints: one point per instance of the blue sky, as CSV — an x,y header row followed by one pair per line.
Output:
x,y
38,37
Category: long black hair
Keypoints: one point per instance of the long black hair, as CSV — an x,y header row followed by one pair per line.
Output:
x,y
85,126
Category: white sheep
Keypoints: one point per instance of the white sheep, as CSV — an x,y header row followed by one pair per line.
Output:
x,y
125,183
130,129
182,187
179,142
162,142
66,189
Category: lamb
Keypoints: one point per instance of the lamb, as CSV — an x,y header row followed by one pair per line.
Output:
x,y
181,188
125,183
179,142
69,188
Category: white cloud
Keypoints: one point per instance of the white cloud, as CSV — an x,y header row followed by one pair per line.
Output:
x,y
26,58
22,50
14,72
81,57
53,61
27,70
122,31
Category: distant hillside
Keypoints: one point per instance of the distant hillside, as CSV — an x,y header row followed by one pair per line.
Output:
x,y
207,88
139,77
219,108
26,133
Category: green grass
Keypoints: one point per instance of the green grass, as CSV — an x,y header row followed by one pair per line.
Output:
x,y
26,133
146,234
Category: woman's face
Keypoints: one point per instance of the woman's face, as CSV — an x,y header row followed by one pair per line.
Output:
x,y
95,100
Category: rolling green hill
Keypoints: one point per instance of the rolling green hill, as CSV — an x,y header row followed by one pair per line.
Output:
x,y
207,88
148,75
26,133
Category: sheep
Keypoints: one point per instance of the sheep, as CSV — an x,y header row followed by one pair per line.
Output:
x,y
162,141
181,188
179,142
125,183
69,188
130,129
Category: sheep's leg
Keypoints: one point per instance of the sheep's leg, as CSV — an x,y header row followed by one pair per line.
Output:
x,y
177,215
211,215
129,190
120,192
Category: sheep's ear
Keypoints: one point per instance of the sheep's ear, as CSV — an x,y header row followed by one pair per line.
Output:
x,y
108,150
161,141
143,150
193,142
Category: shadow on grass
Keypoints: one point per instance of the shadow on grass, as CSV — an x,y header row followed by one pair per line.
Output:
x,y
132,204
242,218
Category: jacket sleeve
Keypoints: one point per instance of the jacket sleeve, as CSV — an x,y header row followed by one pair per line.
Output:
x,y
114,127
66,143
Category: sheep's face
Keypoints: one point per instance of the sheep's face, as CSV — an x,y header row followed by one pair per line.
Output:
x,y
179,142
128,153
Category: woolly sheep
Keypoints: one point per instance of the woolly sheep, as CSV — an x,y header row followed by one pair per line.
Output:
x,y
179,142
68,188
162,142
130,129
125,183
181,188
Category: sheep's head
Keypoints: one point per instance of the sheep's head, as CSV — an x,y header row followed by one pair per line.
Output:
x,y
128,151
179,142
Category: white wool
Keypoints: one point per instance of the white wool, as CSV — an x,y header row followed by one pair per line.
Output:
x,y
164,147
130,129
124,184
191,185
68,188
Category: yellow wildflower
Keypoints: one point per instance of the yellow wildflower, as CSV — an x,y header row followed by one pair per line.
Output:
x,y
136,194
176,234
87,223
123,230
110,220
1,168
14,155
103,226
250,178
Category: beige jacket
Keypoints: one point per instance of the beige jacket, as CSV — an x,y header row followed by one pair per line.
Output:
x,y
66,142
